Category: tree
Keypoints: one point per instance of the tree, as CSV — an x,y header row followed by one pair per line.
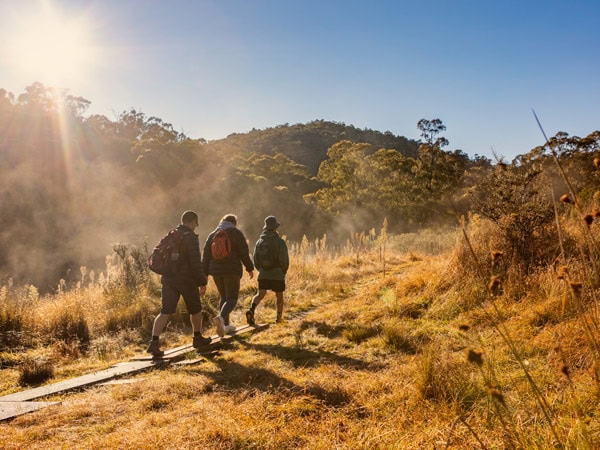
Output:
x,y
344,172
430,151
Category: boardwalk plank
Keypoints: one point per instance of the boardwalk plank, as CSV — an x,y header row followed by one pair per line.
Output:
x,y
8,410
79,382
19,403
215,339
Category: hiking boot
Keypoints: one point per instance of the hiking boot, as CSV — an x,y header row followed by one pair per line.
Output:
x,y
201,341
219,323
279,319
250,317
229,329
154,349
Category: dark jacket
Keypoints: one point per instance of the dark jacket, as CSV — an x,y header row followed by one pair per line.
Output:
x,y
283,260
239,253
190,267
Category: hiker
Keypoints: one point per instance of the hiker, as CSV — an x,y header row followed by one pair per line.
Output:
x,y
225,250
272,261
187,281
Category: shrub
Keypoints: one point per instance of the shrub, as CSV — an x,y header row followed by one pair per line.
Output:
x,y
35,371
70,326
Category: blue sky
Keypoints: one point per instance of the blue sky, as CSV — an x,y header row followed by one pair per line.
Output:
x,y
217,67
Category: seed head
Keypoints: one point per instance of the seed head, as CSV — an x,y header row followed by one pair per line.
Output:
x,y
496,255
565,198
563,272
475,357
576,287
464,327
565,371
496,395
589,219
495,286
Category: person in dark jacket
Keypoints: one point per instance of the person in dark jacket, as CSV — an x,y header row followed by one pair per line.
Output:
x,y
227,273
188,282
272,268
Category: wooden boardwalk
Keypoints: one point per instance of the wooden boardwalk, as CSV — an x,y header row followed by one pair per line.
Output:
x,y
19,403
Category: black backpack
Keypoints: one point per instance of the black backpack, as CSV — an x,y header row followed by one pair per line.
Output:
x,y
267,255
165,257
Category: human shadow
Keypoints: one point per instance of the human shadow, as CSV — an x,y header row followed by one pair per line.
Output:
x,y
323,329
235,376
302,357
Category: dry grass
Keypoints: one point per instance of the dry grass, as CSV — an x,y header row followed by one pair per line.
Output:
x,y
363,361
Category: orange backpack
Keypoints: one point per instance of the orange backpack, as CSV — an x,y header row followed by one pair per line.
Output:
x,y
221,246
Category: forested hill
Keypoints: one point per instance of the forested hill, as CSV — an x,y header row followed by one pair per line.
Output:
x,y
74,184
307,144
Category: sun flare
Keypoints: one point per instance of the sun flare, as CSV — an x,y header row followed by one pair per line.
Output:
x,y
50,47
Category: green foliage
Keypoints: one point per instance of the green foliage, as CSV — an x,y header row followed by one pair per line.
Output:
x,y
369,186
308,144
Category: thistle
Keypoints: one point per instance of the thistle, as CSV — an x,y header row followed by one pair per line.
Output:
x,y
475,357
576,288
495,286
566,199
496,255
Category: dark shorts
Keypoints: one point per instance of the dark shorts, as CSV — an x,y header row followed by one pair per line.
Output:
x,y
171,294
271,285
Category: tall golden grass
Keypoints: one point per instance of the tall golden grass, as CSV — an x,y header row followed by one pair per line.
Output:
x,y
432,340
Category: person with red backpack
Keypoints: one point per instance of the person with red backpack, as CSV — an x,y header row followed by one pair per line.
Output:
x,y
183,277
225,251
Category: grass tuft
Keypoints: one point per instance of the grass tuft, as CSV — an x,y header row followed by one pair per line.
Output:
x,y
34,371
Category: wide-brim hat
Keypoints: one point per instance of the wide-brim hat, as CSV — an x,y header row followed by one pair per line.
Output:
x,y
271,223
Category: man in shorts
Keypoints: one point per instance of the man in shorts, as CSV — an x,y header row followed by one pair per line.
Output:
x,y
272,261
188,282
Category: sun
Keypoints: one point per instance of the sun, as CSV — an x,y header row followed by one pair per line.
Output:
x,y
49,46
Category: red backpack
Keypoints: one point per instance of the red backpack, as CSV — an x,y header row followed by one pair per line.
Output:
x,y
164,259
221,246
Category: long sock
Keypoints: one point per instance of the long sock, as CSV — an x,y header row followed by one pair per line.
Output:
x,y
197,333
155,338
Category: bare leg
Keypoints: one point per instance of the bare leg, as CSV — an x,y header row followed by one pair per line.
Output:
x,y
196,321
279,297
159,324
255,301
257,298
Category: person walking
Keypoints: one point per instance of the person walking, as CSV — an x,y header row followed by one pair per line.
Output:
x,y
225,250
272,261
187,281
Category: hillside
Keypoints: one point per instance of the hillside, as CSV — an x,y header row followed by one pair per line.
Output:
x,y
307,144
422,355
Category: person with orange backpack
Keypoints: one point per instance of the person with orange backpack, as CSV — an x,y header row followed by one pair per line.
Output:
x,y
225,251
